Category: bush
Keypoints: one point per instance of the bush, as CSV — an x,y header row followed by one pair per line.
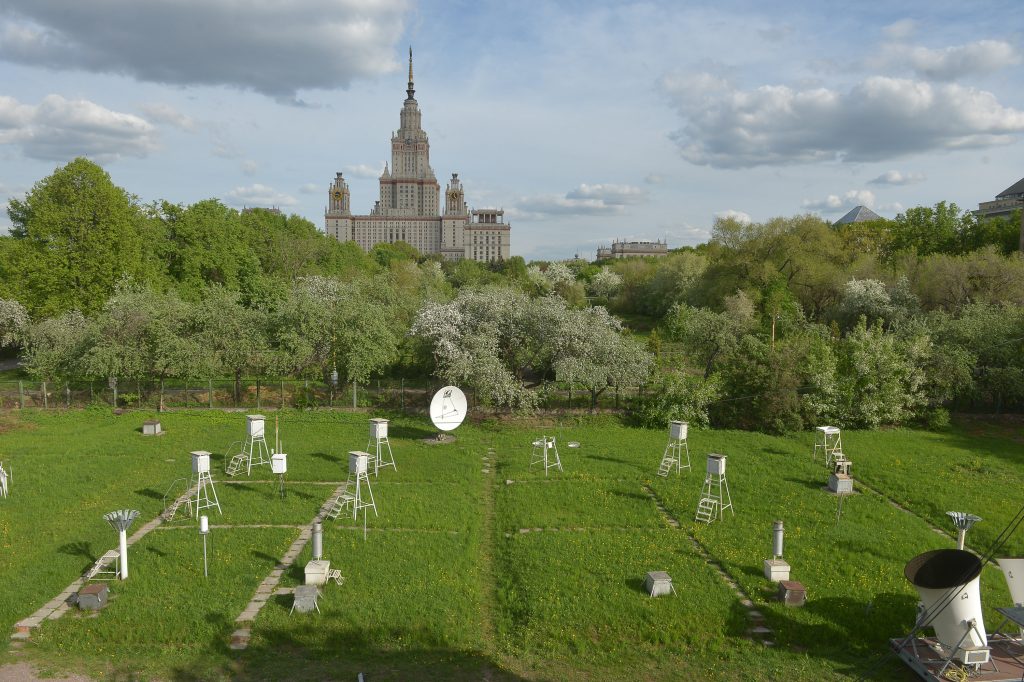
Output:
x,y
675,396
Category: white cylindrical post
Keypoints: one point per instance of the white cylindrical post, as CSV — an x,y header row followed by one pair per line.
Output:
x,y
961,537
318,541
122,539
204,530
777,532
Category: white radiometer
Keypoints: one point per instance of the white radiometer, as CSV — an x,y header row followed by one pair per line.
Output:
x,y
448,408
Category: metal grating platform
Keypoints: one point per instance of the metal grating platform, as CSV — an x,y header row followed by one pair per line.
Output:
x,y
1005,665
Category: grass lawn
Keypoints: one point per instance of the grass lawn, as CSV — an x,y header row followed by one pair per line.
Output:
x,y
477,565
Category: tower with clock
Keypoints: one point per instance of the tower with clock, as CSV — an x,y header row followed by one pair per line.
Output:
x,y
409,208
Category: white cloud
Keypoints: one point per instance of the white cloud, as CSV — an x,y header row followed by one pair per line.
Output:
x,y
899,30
273,48
249,167
618,195
362,170
895,177
58,129
654,178
733,214
165,113
600,199
879,118
311,188
259,196
834,203
950,63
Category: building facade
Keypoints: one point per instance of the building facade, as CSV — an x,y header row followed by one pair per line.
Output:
x,y
624,249
1006,202
409,207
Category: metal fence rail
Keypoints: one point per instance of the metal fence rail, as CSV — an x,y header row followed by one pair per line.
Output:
x,y
251,393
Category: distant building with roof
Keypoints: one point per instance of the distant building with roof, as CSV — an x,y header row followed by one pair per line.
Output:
x,y
858,214
626,249
1006,202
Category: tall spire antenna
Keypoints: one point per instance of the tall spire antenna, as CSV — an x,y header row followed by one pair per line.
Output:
x,y
411,91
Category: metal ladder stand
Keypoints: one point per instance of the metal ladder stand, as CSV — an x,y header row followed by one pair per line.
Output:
x,y
714,497
256,442
203,484
675,450
828,440
545,452
352,497
3,480
379,437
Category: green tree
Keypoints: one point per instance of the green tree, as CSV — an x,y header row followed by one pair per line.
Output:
x,y
78,235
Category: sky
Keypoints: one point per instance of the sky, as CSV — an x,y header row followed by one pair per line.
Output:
x,y
586,121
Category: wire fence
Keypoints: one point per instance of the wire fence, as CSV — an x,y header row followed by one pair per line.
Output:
x,y
391,394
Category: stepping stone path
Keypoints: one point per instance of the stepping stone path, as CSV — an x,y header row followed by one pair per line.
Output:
x,y
268,588
59,605
758,631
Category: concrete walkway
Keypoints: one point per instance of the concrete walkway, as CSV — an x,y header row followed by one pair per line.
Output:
x,y
268,588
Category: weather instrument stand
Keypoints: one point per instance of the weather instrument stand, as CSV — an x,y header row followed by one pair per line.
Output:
x,y
3,480
545,453
256,442
828,440
675,450
206,494
353,497
379,439
714,497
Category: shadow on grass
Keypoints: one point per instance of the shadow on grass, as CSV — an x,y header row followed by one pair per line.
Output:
x,y
852,635
263,555
333,459
636,584
614,460
813,485
150,493
80,549
631,496
153,550
311,652
411,432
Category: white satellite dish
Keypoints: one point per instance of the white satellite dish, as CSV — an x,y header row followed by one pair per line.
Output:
x,y
448,408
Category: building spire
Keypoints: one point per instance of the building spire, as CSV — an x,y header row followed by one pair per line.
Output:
x,y
411,91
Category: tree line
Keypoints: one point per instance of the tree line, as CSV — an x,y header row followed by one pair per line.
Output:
x,y
774,326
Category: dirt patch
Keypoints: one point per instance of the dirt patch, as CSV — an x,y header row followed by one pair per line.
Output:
x,y
439,439
25,672
10,422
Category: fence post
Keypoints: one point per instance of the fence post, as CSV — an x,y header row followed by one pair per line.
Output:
x,y
282,394
67,395
353,394
91,396
186,394
209,393
138,389
21,394
257,393
570,395
46,403
616,396
403,394
160,404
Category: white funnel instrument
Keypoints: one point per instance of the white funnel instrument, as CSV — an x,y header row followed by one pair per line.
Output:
x,y
948,582
1013,570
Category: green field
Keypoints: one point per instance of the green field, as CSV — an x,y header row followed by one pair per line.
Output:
x,y
478,567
